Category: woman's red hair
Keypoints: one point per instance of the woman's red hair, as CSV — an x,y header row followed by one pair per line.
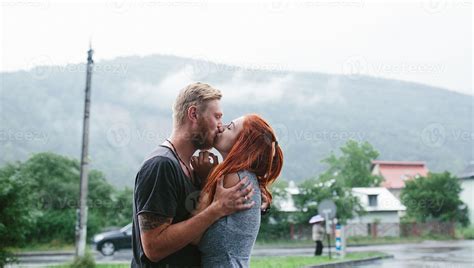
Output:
x,y
256,150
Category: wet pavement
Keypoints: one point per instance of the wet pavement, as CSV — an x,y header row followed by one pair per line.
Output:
x,y
428,254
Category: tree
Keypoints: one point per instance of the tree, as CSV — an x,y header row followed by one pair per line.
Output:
x,y
435,197
54,184
315,190
352,168
123,206
16,214
276,224
39,199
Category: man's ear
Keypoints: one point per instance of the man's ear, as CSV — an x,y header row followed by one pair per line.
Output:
x,y
192,113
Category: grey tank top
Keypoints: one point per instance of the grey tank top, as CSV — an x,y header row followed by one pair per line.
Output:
x,y
230,240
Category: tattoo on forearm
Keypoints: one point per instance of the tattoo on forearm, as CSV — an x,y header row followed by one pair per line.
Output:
x,y
148,221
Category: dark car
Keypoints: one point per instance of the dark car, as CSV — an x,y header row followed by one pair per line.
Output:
x,y
109,242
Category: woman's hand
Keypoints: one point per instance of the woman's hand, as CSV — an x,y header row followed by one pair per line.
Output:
x,y
265,207
203,166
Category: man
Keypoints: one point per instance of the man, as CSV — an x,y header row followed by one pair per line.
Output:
x,y
166,186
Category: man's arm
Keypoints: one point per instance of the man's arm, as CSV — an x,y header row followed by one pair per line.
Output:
x,y
160,238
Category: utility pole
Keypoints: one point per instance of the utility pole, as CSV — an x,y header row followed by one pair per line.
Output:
x,y
81,228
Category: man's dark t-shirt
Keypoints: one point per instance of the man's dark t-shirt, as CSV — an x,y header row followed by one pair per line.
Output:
x,y
162,188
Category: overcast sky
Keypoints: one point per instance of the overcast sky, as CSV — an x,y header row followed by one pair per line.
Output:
x,y
422,41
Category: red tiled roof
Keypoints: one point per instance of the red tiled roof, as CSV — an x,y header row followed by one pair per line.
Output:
x,y
396,172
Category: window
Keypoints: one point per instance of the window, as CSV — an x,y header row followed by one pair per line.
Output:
x,y
372,200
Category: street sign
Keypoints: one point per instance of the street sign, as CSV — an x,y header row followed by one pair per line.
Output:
x,y
327,208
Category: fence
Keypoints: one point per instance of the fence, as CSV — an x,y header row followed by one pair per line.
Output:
x,y
413,229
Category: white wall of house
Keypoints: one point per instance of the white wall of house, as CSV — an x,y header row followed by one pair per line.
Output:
x,y
467,196
379,216
387,224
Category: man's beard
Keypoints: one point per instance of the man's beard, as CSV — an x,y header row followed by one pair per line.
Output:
x,y
201,138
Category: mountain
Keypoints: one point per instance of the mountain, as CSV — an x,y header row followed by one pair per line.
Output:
x,y
312,113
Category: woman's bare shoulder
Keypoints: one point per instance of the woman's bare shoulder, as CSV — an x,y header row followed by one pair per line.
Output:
x,y
231,180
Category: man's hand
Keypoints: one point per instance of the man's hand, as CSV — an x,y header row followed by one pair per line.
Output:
x,y
229,200
202,165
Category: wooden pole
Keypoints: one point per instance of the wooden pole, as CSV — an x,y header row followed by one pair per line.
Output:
x,y
81,231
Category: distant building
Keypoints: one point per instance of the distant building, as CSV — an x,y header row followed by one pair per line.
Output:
x,y
467,185
287,204
383,212
395,173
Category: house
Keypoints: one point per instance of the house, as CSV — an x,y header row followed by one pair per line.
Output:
x,y
467,194
395,173
287,204
383,212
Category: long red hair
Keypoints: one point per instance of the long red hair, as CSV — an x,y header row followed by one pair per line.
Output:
x,y
256,150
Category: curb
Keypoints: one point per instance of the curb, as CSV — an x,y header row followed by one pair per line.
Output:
x,y
350,263
44,253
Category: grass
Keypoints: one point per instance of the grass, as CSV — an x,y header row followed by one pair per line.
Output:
x,y
51,246
367,240
465,233
284,243
462,233
352,241
278,262
300,261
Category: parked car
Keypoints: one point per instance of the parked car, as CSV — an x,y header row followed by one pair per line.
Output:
x,y
109,242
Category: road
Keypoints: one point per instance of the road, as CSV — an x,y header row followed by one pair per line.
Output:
x,y
429,254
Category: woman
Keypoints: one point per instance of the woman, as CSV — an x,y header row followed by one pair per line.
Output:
x,y
249,149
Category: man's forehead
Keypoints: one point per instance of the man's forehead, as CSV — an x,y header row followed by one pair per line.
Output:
x,y
214,107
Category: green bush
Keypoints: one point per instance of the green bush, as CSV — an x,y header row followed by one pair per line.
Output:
x,y
39,200
467,233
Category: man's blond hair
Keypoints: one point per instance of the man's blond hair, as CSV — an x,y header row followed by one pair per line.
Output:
x,y
197,94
